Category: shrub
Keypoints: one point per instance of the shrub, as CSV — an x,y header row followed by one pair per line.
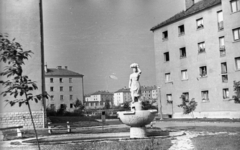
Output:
x,y
188,106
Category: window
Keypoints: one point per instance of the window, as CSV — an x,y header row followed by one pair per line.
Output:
x,y
169,98
181,30
71,97
224,71
225,93
220,20
70,80
203,71
235,5
60,80
224,78
61,97
167,77
222,46
61,88
205,96
201,47
71,105
70,88
224,67
165,35
62,106
183,53
184,74
236,34
200,23
51,80
166,56
51,89
52,97
186,94
237,62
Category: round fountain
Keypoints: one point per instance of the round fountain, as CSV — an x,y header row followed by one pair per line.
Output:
x,y
137,119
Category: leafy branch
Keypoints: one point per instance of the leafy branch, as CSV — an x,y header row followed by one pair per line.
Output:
x,y
188,106
18,85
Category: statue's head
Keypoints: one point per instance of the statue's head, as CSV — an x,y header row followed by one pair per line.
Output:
x,y
134,67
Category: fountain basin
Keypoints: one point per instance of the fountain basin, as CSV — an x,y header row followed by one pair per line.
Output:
x,y
137,121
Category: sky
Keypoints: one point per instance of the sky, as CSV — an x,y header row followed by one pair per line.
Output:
x,y
99,38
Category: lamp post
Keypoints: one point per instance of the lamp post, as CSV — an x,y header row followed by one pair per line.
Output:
x,y
160,103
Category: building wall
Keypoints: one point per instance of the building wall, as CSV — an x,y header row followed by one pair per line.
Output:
x,y
77,91
20,19
195,84
98,101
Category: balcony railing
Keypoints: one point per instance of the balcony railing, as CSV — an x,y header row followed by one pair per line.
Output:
x,y
220,25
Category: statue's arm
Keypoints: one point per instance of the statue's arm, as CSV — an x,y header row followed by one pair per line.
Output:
x,y
139,70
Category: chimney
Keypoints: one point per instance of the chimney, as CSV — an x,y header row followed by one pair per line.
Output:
x,y
59,67
66,67
188,4
45,68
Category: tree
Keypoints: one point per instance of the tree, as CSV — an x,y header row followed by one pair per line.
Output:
x,y
188,106
79,107
107,104
17,85
236,86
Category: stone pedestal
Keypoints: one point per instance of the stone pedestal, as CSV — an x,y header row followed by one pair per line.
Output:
x,y
138,132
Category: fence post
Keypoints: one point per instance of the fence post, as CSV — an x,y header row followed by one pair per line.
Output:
x,y
49,128
68,127
19,132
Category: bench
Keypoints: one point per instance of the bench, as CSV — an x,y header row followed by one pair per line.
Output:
x,y
18,128
67,127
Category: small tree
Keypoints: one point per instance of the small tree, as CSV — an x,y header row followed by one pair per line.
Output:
x,y
107,104
188,106
51,111
125,105
79,107
236,86
18,85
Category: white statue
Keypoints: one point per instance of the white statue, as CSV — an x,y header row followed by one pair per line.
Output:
x,y
134,83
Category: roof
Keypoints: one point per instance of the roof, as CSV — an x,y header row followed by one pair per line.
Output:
x,y
101,92
196,8
143,88
123,90
61,72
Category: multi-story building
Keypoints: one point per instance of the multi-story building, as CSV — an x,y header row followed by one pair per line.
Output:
x,y
197,53
64,87
149,92
124,94
98,99
121,96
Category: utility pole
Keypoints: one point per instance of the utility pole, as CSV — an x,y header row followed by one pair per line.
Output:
x,y
159,103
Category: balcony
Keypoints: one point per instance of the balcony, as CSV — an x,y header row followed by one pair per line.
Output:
x,y
222,51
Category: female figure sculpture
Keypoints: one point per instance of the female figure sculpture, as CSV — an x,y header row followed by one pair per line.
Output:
x,y
134,83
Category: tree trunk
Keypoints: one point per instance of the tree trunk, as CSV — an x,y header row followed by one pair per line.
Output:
x,y
30,111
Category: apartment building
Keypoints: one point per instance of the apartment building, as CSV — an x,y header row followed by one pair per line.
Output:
x,y
64,87
197,53
98,99
122,95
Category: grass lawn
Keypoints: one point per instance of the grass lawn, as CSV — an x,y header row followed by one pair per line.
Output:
x,y
217,142
199,119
